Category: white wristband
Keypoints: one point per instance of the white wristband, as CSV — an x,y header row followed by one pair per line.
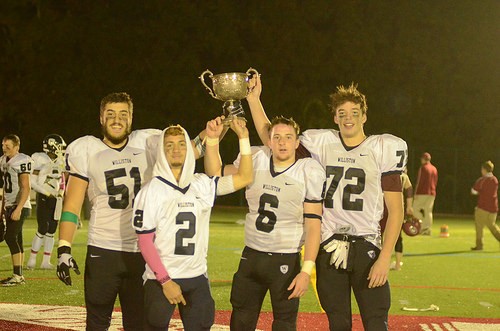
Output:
x,y
245,148
212,141
63,242
307,267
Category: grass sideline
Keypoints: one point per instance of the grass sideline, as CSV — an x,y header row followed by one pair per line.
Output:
x,y
439,271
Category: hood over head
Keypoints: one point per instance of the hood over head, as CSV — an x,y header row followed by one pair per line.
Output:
x,y
162,168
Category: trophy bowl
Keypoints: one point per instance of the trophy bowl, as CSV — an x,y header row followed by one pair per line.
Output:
x,y
230,88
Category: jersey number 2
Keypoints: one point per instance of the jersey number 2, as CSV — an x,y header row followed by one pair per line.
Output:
x,y
180,235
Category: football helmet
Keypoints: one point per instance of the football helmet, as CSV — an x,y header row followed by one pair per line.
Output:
x,y
412,225
54,143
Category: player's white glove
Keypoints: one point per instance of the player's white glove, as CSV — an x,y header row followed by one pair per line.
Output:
x,y
339,252
331,246
339,257
64,262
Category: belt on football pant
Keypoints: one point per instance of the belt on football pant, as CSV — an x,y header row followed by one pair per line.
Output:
x,y
342,237
251,250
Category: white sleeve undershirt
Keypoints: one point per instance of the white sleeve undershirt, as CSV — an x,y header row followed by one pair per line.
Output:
x,y
225,185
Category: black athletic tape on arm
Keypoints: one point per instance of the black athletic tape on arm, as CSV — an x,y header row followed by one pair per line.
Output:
x,y
316,216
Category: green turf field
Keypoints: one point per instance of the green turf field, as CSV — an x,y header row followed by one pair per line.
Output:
x,y
439,271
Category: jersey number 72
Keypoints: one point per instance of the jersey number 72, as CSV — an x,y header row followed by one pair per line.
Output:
x,y
350,173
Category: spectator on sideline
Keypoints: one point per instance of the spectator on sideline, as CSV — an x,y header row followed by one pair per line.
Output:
x,y
425,193
486,188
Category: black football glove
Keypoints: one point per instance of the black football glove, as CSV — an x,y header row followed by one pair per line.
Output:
x,y
64,262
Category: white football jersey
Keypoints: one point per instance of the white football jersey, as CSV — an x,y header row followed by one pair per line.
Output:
x,y
275,221
354,200
50,173
180,219
115,176
11,169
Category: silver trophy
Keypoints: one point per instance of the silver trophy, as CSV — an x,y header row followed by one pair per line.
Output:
x,y
230,88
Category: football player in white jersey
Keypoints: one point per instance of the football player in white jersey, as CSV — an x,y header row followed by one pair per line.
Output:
x,y
171,218
48,181
362,173
111,170
15,168
284,214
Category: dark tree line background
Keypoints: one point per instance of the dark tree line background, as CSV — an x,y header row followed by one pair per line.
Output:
x,y
430,69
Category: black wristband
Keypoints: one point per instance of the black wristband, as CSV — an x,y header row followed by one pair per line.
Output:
x,y
63,250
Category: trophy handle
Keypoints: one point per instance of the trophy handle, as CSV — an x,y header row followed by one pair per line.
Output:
x,y
202,79
250,70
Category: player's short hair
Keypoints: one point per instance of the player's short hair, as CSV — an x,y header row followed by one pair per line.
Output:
x,y
174,130
345,94
14,138
116,98
283,120
488,166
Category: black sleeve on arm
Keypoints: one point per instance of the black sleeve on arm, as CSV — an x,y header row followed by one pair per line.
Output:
x,y
392,182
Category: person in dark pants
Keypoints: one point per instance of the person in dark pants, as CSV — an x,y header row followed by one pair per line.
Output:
x,y
171,219
15,168
111,171
362,173
284,215
48,181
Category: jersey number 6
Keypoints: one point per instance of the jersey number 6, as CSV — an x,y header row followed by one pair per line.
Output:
x,y
273,201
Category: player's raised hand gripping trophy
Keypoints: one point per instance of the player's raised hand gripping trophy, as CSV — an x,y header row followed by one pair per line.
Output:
x,y
231,88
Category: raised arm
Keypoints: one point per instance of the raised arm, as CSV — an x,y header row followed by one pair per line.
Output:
x,y
212,161
244,176
197,143
237,178
259,117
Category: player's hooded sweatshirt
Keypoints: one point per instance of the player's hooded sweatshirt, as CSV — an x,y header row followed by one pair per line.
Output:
x,y
175,216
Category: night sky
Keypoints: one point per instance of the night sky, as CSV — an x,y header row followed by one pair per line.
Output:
x,y
429,69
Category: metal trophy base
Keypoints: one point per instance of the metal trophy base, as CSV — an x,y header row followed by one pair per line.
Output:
x,y
232,109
